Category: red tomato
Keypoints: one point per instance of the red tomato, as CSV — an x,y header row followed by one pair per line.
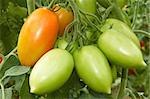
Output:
x,y
1,59
142,44
65,17
37,36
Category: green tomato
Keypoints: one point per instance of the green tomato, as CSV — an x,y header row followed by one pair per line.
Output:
x,y
62,44
107,3
93,68
51,71
121,28
87,6
120,50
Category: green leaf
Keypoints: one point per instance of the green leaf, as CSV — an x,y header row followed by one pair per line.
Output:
x,y
19,80
8,93
16,11
11,61
25,91
16,71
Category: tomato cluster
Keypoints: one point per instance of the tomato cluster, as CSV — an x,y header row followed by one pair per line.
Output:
x,y
116,46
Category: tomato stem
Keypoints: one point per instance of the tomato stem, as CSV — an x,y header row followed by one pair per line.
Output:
x,y
3,90
131,93
135,14
51,3
30,6
148,72
147,34
12,52
123,83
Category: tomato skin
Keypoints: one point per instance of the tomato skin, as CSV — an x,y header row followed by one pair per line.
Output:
x,y
121,28
93,68
120,50
37,36
51,71
87,6
65,17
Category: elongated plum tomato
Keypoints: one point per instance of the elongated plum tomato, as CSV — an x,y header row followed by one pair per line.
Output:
x,y
93,67
37,36
120,50
65,17
51,71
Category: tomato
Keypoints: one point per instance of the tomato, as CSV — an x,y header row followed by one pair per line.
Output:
x,y
65,17
87,6
106,3
61,43
93,68
120,50
51,71
37,36
1,59
121,28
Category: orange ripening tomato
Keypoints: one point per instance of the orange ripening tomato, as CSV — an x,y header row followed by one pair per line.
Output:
x,y
65,17
37,36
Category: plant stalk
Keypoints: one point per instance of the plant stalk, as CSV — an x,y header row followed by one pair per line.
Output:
x,y
123,83
3,90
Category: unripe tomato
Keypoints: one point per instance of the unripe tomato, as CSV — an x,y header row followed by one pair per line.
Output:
x,y
93,68
37,36
51,71
87,6
120,50
121,28
106,3
65,17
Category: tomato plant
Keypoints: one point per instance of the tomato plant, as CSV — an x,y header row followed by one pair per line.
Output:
x,y
51,71
65,17
37,36
105,50
93,67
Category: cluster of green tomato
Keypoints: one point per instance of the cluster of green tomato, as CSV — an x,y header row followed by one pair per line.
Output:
x,y
117,45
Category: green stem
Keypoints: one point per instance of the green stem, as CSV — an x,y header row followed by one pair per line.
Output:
x,y
148,72
123,83
51,3
135,14
30,6
131,93
12,52
3,90
147,34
